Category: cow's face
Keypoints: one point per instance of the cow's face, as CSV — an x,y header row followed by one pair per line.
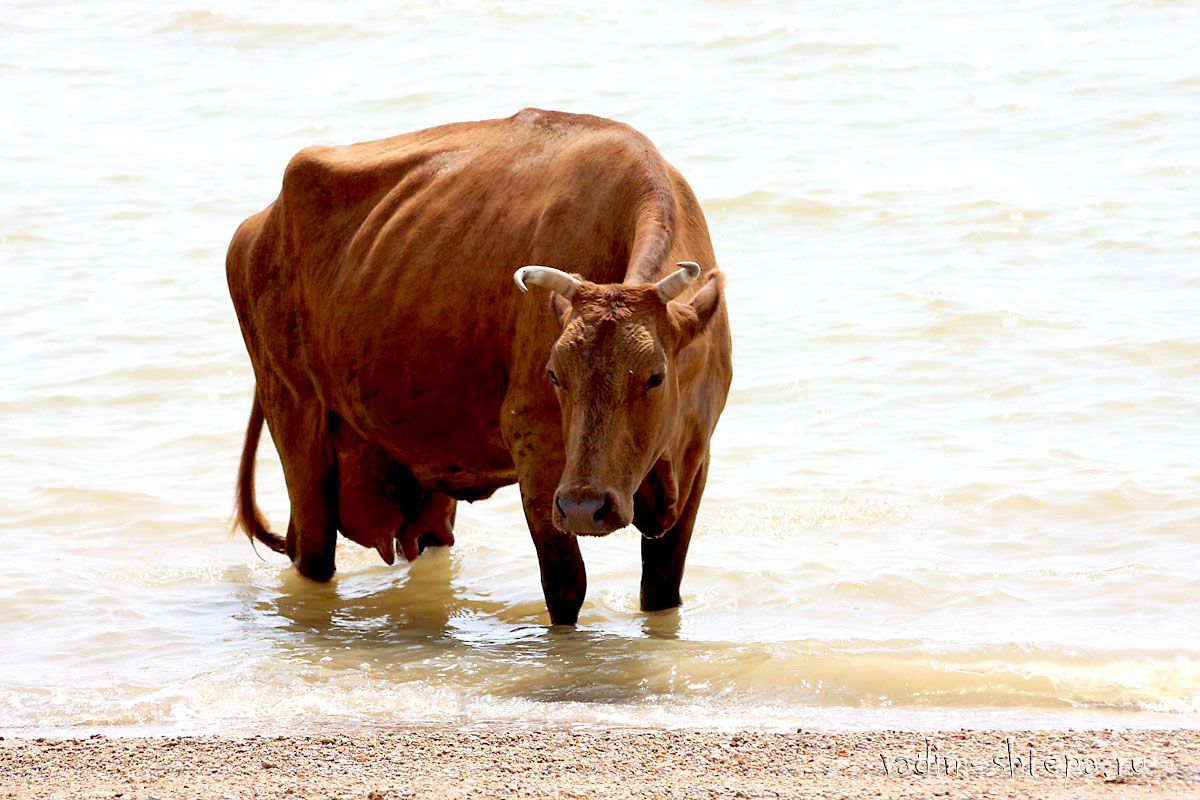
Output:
x,y
614,372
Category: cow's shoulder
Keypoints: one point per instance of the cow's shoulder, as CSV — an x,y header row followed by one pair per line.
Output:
x,y
342,174
314,168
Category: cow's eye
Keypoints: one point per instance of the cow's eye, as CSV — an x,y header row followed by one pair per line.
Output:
x,y
553,378
654,380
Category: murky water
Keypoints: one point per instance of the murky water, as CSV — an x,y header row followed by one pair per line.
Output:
x,y
957,481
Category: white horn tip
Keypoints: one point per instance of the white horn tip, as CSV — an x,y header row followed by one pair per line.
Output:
x,y
519,279
547,277
671,286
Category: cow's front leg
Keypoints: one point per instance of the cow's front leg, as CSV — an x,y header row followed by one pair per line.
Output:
x,y
532,431
537,455
564,581
663,558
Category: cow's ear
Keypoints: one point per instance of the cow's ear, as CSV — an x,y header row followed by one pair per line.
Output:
x,y
560,307
696,315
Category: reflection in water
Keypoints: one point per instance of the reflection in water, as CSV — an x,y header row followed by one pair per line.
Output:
x,y
375,608
420,624
662,624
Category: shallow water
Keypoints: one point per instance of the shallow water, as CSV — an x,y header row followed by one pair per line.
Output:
x,y
956,483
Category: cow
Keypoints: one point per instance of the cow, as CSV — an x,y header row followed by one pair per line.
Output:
x,y
400,371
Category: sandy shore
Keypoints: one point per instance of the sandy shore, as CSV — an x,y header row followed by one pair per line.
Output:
x,y
441,763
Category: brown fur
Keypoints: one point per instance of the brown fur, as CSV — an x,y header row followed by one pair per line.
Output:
x,y
399,369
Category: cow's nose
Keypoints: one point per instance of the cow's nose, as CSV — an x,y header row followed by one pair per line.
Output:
x,y
585,512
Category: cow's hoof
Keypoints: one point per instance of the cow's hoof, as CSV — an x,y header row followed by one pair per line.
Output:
x,y
566,614
429,539
322,572
655,601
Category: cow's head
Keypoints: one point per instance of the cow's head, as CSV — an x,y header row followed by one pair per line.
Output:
x,y
614,369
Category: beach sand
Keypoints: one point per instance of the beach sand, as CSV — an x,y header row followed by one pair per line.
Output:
x,y
499,763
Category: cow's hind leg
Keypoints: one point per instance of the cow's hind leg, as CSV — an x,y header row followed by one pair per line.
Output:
x,y
301,434
663,558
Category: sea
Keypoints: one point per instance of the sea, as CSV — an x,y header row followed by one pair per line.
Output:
x,y
957,482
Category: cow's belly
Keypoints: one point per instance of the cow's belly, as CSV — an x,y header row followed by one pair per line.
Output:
x,y
447,455
442,425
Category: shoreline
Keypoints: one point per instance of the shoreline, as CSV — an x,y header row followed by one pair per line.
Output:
x,y
433,762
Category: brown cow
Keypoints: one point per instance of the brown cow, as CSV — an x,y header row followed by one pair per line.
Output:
x,y
399,370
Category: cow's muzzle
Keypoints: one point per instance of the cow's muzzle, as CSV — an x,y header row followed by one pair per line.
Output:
x,y
589,511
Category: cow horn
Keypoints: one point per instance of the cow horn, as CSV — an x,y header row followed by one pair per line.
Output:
x,y
671,286
553,279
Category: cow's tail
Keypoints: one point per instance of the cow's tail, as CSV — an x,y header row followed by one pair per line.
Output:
x,y
248,517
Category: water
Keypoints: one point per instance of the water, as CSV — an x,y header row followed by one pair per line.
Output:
x,y
956,483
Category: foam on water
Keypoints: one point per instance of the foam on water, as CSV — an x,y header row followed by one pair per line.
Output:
x,y
956,481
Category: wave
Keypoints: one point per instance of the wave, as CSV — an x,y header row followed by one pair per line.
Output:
x,y
261,33
705,686
764,202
